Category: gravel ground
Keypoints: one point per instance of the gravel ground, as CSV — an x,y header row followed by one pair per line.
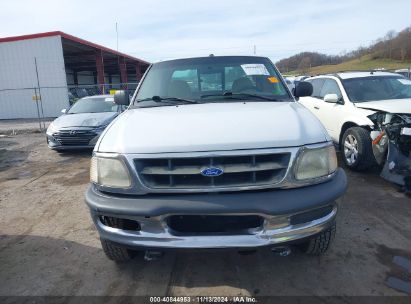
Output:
x,y
49,246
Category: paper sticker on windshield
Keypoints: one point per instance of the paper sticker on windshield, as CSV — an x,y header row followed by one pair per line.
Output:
x,y
405,81
273,79
255,69
109,99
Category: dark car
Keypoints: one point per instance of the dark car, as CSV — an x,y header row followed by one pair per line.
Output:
x,y
81,125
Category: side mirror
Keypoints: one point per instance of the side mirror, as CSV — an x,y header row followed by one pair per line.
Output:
x,y
303,88
121,98
331,98
64,111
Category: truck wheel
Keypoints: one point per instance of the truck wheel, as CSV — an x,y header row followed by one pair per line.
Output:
x,y
320,243
356,146
115,252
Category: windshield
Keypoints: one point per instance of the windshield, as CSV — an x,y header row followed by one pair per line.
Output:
x,y
212,79
94,105
376,88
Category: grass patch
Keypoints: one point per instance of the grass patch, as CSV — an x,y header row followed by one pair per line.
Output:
x,y
362,63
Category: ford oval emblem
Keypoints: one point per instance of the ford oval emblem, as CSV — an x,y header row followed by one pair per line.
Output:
x,y
212,172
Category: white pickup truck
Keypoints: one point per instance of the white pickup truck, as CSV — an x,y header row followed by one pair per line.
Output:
x,y
214,152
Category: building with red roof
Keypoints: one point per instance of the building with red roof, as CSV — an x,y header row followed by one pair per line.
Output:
x,y
52,65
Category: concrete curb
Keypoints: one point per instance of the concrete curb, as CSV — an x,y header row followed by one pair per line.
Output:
x,y
11,132
22,126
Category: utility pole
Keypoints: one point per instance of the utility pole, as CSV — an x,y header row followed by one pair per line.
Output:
x,y
255,49
117,35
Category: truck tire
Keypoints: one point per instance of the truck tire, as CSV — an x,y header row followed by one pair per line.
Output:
x,y
115,252
320,243
356,147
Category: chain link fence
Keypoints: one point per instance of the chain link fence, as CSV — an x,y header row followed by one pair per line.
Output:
x,y
45,103
76,92
36,83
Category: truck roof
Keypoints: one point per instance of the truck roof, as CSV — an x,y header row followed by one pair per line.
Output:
x,y
209,56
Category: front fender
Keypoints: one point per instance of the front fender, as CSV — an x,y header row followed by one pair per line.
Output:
x,y
360,116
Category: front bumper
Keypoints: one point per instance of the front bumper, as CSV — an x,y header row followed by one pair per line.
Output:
x,y
54,144
275,206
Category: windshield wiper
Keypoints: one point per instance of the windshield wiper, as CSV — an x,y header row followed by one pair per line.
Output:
x,y
235,95
162,99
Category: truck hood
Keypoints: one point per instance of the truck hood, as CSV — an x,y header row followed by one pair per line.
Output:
x,y
84,120
212,127
398,106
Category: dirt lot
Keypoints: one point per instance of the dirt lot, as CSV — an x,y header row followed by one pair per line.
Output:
x,y
49,246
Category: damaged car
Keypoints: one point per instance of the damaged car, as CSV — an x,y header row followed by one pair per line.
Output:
x,y
368,114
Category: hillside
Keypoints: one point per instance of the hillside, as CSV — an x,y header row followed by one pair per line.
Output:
x,y
392,51
363,63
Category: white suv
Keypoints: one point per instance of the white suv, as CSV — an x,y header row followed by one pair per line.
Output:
x,y
347,104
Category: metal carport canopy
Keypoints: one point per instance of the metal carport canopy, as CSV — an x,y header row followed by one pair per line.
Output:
x,y
83,55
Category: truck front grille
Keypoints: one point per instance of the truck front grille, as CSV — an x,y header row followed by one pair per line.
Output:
x,y
74,137
238,171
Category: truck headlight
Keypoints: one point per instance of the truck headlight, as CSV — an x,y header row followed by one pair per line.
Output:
x,y
109,172
316,162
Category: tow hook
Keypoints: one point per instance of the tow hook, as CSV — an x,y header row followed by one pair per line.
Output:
x,y
282,251
151,255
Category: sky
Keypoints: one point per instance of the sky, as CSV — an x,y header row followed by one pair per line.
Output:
x,y
155,30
